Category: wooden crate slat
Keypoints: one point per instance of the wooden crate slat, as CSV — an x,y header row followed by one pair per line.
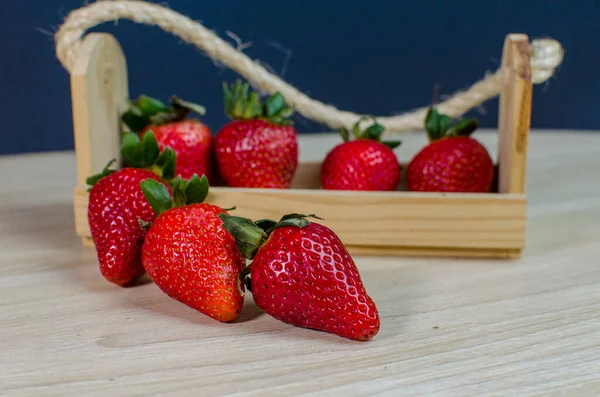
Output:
x,y
415,219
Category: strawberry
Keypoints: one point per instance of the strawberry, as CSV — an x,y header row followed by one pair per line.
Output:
x,y
302,274
118,211
259,147
365,163
452,161
187,252
191,139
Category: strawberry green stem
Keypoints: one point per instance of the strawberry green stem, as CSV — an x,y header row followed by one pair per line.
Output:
x,y
185,192
440,126
250,236
92,180
239,104
146,111
247,234
145,153
374,132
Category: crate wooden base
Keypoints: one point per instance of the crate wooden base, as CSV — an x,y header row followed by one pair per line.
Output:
x,y
369,223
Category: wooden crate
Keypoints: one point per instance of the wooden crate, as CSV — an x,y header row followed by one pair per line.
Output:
x,y
372,223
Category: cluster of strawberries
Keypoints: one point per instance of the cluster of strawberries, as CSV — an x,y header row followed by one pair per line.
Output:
x,y
259,148
149,216
452,161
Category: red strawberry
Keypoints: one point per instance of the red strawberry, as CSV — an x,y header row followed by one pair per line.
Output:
x,y
365,163
118,210
260,147
187,252
191,139
452,161
302,274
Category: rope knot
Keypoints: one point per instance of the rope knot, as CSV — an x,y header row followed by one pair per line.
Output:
x,y
545,56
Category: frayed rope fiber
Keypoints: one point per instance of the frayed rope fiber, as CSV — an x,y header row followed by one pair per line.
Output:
x,y
546,55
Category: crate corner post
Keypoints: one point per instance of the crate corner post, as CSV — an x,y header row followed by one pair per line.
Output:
x,y
514,119
99,94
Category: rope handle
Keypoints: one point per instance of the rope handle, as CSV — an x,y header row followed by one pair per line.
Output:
x,y
545,54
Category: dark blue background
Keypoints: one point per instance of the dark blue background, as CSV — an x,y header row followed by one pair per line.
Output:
x,y
379,57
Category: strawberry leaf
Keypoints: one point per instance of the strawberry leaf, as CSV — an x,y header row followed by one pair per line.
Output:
x,y
227,99
92,180
146,154
392,144
131,150
149,149
295,215
197,189
240,104
186,192
356,132
440,125
253,106
165,163
345,134
374,132
146,111
287,112
134,118
161,118
181,106
178,186
248,236
433,126
297,220
265,224
274,105
157,195
464,127
444,123
149,105
139,113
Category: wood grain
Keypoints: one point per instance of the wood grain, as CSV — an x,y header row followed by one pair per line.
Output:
x,y
468,328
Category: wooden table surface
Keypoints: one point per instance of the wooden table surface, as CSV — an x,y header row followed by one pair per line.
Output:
x,y
449,327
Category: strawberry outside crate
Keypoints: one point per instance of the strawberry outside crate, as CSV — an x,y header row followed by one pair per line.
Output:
x,y
390,223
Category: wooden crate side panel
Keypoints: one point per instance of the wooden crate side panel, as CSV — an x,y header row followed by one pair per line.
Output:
x,y
99,93
392,219
380,219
